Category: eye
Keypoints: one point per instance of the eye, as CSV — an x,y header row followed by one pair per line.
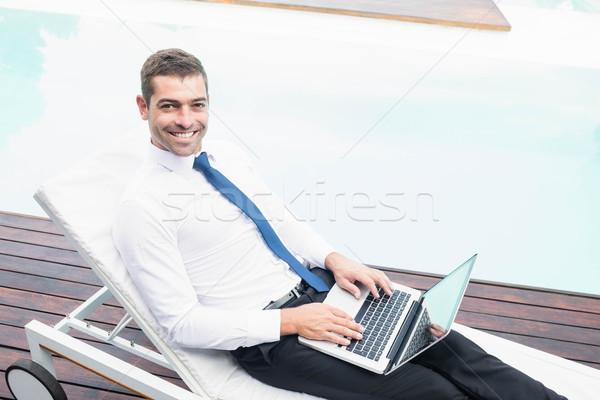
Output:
x,y
166,106
200,105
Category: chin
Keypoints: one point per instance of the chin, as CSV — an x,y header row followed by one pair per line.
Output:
x,y
182,152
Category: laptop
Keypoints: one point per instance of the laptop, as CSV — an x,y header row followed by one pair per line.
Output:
x,y
396,326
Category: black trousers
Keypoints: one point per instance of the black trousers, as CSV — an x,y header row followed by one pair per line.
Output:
x,y
455,368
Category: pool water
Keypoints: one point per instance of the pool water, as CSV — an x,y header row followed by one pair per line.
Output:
x,y
406,145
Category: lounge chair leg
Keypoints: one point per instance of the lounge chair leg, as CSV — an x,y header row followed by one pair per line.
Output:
x,y
39,354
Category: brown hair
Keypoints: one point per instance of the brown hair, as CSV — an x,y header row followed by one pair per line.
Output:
x,y
169,62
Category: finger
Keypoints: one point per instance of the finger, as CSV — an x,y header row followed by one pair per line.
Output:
x,y
437,331
376,277
384,282
371,284
341,319
353,331
337,339
351,288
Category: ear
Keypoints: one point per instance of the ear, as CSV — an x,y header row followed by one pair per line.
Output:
x,y
142,106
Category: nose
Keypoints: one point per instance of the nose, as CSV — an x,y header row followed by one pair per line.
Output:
x,y
184,117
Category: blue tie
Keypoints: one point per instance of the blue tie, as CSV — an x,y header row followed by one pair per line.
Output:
x,y
237,197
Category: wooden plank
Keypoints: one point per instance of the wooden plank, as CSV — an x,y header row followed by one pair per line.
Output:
x,y
59,306
545,298
529,312
49,269
19,317
41,253
49,286
590,364
477,14
571,351
29,222
45,285
573,334
35,238
36,301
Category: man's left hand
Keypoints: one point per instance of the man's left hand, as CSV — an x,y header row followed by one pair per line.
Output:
x,y
348,272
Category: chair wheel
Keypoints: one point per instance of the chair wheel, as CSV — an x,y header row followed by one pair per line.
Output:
x,y
28,380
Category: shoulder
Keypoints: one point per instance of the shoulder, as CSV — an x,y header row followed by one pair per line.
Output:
x,y
143,182
149,192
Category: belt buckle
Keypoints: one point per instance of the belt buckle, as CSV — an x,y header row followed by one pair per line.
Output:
x,y
286,298
295,291
301,287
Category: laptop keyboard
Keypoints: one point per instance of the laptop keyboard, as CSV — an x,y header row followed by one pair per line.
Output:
x,y
378,316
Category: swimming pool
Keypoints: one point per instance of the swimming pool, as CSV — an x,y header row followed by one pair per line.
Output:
x,y
406,145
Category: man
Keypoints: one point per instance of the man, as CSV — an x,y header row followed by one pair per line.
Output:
x,y
209,273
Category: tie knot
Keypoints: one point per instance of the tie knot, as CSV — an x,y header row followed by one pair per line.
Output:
x,y
201,162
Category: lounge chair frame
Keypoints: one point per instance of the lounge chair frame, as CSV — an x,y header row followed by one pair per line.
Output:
x,y
44,341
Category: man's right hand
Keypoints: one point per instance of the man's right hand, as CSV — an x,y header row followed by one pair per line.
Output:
x,y
321,322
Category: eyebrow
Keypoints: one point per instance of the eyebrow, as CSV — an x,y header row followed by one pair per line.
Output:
x,y
167,100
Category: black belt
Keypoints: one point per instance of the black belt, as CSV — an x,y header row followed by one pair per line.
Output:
x,y
293,294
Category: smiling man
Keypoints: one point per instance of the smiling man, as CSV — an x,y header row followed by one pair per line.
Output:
x,y
217,273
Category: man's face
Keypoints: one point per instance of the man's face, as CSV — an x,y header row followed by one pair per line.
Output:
x,y
177,114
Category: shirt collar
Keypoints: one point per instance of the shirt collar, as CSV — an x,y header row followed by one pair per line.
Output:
x,y
183,166
180,165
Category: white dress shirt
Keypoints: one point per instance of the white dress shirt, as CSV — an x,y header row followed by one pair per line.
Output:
x,y
198,261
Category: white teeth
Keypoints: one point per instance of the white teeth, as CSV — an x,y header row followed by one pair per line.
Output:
x,y
183,135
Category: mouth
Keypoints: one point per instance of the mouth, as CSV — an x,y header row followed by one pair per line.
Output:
x,y
183,135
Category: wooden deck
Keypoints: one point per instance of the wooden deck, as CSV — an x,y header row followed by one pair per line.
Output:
x,y
43,278
475,14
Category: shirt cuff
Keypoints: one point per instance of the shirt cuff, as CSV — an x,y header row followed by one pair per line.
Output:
x,y
319,250
264,326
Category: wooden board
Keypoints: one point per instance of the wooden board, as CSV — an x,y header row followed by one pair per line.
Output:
x,y
476,14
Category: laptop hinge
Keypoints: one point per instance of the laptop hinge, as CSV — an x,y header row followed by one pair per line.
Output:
x,y
402,337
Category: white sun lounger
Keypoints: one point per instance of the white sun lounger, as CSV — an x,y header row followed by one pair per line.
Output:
x,y
81,202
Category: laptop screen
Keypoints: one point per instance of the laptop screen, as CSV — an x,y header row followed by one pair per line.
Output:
x,y
444,298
